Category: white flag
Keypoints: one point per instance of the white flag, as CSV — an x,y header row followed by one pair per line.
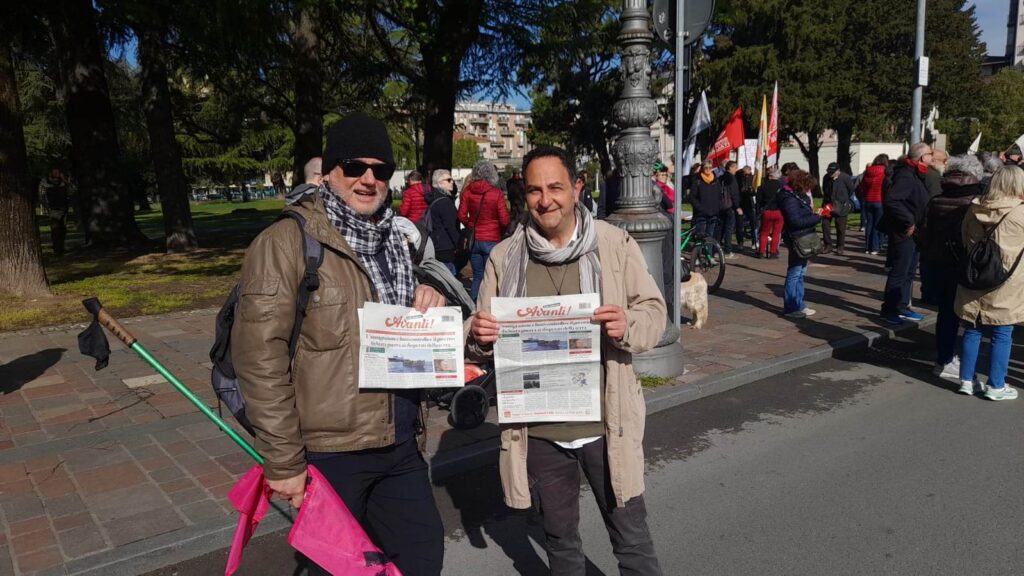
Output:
x,y
1020,143
973,148
701,122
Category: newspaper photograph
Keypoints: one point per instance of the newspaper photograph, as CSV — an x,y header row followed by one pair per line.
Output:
x,y
547,359
402,348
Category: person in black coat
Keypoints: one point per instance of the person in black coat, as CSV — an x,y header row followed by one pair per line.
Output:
x,y
800,220
706,198
771,216
942,247
731,211
903,211
750,208
837,189
443,222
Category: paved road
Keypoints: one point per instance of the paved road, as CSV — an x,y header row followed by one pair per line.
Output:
x,y
859,465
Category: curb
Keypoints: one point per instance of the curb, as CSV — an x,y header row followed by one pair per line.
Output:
x,y
167,549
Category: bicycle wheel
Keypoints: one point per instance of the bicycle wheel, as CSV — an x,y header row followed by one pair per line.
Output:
x,y
707,257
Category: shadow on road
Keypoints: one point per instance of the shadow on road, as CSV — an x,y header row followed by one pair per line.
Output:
x,y
25,369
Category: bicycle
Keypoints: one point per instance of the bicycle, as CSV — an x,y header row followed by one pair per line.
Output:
x,y
703,254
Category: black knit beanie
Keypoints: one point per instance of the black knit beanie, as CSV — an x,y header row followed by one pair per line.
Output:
x,y
357,136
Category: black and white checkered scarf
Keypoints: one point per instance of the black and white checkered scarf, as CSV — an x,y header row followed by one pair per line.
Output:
x,y
367,237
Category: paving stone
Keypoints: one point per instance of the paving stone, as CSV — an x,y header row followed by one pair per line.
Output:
x,y
144,525
95,456
12,472
204,511
22,507
143,381
26,526
117,504
109,478
39,560
188,496
167,474
166,333
82,540
63,505
73,521
33,541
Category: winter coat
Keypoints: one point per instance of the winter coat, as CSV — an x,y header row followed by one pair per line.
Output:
x,y
625,282
906,203
933,182
493,216
414,203
1001,306
444,227
667,196
839,192
767,195
798,215
873,183
730,191
317,406
706,197
945,216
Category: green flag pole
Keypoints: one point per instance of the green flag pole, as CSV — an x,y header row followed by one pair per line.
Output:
x,y
94,306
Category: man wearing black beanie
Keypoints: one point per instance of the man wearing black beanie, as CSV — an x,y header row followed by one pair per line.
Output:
x,y
310,409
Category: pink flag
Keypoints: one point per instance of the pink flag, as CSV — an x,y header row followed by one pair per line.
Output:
x,y
773,130
324,531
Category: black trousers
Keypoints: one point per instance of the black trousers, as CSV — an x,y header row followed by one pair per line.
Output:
x,y
389,493
900,280
826,229
554,474
728,219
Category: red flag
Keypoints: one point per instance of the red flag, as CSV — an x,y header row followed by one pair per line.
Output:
x,y
731,138
773,130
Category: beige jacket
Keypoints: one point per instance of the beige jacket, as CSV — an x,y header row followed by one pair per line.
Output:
x,y
1002,306
625,282
320,407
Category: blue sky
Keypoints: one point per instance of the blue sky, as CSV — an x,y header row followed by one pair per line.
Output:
x,y
992,16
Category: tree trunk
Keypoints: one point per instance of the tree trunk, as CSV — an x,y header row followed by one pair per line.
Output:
x,y
21,256
309,126
95,153
843,158
439,124
179,232
810,152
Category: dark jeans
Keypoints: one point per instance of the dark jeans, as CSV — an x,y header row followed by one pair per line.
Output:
x,y
826,229
704,225
751,219
478,258
728,218
555,482
900,280
58,230
388,492
947,324
871,215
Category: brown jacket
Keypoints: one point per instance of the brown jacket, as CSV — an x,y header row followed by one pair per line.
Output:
x,y
625,282
318,406
1002,306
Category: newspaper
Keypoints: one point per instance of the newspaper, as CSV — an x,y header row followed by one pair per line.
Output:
x,y
402,348
548,359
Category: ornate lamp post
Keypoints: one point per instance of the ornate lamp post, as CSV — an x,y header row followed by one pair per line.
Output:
x,y
635,152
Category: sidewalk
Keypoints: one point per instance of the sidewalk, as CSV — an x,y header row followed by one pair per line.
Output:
x,y
113,472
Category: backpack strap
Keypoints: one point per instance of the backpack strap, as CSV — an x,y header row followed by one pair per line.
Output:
x,y
312,257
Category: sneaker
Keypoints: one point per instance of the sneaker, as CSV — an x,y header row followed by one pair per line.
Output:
x,y
873,252
911,315
1007,392
970,387
800,314
893,319
731,256
950,370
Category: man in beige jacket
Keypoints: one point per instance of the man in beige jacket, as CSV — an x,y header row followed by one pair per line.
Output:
x,y
562,250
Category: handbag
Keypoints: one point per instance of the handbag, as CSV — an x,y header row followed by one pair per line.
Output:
x,y
807,246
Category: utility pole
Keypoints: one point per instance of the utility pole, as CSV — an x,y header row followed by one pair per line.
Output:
x,y
920,76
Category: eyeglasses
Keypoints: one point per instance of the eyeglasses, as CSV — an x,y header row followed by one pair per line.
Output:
x,y
448,180
356,168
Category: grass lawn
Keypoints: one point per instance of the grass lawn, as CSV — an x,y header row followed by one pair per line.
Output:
x,y
143,279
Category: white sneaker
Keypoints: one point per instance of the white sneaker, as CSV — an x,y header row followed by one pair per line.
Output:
x,y
970,387
950,370
809,311
1007,392
801,313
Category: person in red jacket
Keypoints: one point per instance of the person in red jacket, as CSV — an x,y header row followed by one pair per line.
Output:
x,y
483,209
414,203
872,184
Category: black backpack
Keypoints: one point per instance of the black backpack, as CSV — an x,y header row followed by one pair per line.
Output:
x,y
223,377
982,269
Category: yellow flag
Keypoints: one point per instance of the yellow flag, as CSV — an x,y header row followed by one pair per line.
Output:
x,y
762,142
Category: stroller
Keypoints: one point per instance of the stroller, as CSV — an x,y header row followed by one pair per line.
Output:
x,y
468,405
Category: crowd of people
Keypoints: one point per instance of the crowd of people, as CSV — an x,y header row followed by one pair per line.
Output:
x,y
931,215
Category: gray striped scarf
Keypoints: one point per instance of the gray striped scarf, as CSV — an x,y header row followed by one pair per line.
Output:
x,y
527,242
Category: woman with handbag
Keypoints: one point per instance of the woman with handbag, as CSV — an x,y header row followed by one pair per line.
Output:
x,y
483,212
994,308
799,222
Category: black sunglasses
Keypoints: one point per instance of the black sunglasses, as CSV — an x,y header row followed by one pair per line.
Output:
x,y
356,168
